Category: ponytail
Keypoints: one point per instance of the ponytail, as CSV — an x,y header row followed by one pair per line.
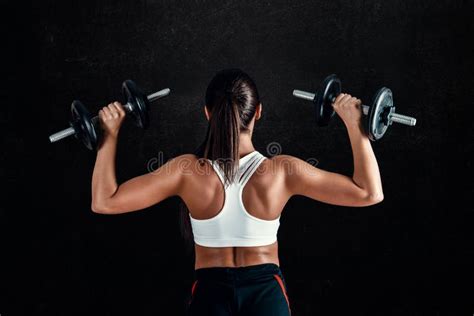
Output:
x,y
222,139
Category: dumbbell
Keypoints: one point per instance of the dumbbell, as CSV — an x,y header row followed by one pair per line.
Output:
x,y
84,127
378,117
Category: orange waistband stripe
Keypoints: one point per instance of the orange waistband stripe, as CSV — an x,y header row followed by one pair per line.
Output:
x,y
282,286
194,286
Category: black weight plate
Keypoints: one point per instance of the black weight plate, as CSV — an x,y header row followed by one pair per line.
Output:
x,y
138,102
377,123
82,124
329,89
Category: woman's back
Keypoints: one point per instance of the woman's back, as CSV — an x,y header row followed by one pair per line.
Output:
x,y
263,198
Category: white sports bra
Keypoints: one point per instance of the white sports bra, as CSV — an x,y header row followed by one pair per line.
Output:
x,y
233,226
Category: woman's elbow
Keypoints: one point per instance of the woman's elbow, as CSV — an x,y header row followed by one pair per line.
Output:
x,y
101,208
369,199
374,198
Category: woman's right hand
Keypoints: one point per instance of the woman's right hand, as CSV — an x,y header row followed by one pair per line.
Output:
x,y
349,109
111,118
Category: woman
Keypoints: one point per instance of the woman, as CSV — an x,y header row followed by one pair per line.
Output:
x,y
235,195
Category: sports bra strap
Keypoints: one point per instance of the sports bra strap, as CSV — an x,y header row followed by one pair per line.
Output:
x,y
250,168
248,165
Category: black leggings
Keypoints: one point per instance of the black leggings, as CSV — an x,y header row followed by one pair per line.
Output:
x,y
244,291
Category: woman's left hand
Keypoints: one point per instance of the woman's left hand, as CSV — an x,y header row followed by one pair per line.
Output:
x,y
348,109
111,118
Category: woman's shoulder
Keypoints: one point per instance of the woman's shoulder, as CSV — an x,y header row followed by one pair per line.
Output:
x,y
290,165
282,160
188,162
184,157
187,158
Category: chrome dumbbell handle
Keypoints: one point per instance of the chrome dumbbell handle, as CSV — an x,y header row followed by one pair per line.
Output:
x,y
158,95
128,108
62,134
393,117
304,95
402,119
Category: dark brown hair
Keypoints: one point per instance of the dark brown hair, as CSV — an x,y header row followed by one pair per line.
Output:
x,y
231,100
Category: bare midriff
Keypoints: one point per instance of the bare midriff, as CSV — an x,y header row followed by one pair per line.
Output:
x,y
207,257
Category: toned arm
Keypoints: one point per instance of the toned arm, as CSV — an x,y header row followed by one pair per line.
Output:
x,y
301,178
135,194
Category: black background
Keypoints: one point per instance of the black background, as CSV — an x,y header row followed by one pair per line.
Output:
x,y
410,255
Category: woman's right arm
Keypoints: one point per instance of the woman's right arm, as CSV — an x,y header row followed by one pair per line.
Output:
x,y
364,188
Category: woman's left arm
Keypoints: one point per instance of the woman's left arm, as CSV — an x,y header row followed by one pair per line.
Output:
x,y
135,194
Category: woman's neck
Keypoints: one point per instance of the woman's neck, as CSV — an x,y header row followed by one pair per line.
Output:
x,y
245,144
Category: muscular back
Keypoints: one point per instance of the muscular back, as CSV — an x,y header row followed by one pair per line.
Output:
x,y
264,197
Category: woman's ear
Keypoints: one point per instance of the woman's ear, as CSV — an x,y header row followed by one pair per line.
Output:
x,y
258,112
206,112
